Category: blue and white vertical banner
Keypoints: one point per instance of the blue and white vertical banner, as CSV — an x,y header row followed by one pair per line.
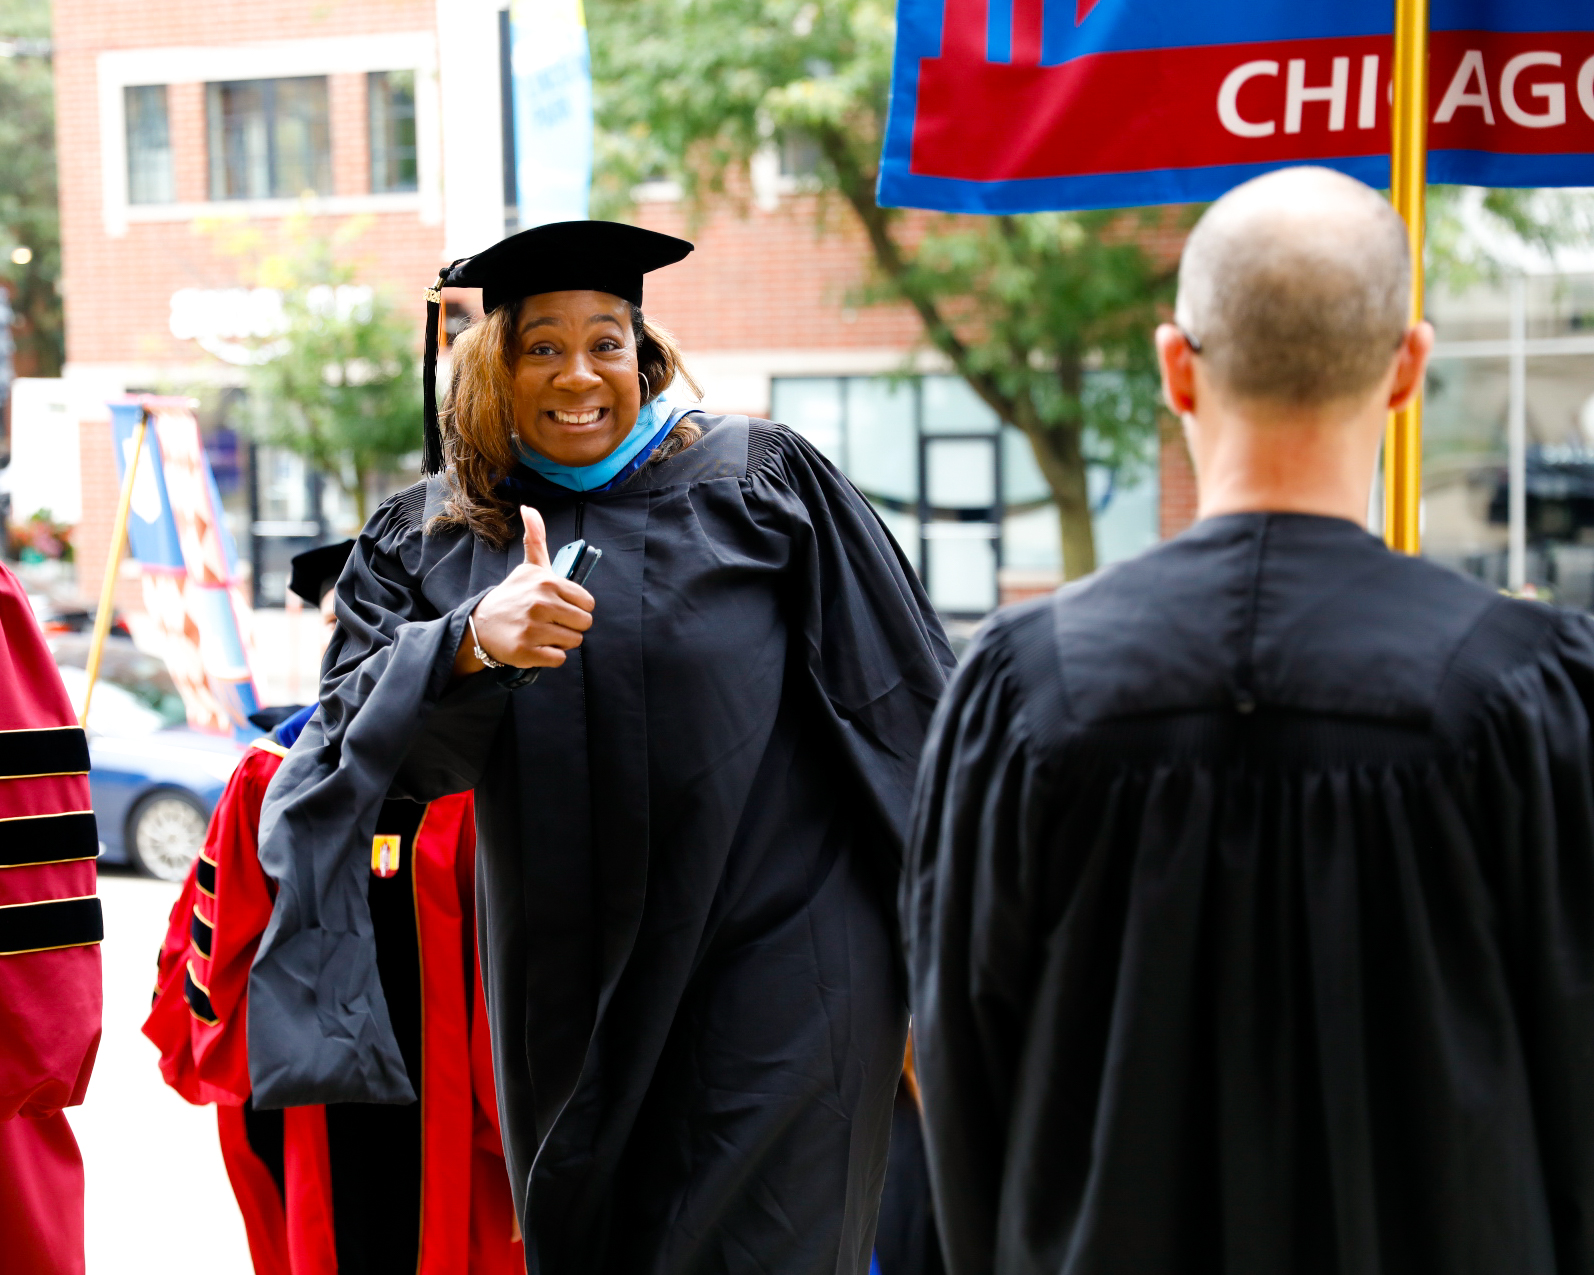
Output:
x,y
551,83
193,589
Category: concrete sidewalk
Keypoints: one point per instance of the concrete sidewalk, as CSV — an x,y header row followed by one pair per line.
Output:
x,y
158,1200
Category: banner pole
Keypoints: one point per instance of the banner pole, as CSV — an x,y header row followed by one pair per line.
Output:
x,y
113,564
1408,183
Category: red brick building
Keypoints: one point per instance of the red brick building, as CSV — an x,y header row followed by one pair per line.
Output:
x,y
191,128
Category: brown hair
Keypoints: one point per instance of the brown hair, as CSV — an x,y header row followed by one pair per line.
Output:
x,y
1296,284
478,418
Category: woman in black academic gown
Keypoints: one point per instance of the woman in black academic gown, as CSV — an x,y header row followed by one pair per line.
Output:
x,y
690,823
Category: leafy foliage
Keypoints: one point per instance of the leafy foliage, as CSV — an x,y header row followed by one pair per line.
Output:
x,y
1063,305
1047,317
29,216
339,385
1469,228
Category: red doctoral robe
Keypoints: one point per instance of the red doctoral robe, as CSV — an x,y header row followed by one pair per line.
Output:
x,y
50,928
324,1189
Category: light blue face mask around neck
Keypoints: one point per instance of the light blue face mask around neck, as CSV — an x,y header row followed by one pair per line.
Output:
x,y
652,423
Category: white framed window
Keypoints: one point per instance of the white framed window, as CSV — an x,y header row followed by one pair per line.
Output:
x,y
265,145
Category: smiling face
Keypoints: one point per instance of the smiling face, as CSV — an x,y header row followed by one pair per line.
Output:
x,y
575,378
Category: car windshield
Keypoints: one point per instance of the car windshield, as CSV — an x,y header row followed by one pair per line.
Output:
x,y
140,681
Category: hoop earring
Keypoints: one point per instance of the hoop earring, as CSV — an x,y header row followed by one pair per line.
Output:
x,y
647,386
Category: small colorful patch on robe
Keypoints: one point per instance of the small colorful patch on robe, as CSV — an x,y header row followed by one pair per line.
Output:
x,y
385,854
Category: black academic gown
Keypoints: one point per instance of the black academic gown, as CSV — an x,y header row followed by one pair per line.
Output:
x,y
689,837
1250,909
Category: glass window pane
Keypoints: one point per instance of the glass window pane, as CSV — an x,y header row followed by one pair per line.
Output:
x,y
1023,484
799,155
1125,519
951,407
240,156
391,97
1464,500
962,571
812,406
269,138
882,448
960,474
149,146
284,485
904,529
301,138
1032,539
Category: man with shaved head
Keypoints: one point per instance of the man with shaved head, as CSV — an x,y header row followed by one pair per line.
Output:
x,y
1250,903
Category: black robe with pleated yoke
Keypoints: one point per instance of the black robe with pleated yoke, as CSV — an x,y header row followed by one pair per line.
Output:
x,y
689,838
1250,911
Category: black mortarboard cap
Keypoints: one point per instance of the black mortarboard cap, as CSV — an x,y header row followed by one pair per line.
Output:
x,y
564,256
315,570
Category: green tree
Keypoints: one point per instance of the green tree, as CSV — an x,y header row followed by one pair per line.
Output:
x,y
338,385
29,215
1047,317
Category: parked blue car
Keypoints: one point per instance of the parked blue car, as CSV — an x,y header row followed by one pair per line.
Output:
x,y
153,781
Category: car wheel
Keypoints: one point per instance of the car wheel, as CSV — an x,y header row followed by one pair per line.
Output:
x,y
165,833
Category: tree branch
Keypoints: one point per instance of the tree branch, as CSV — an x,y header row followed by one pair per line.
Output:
x,y
857,189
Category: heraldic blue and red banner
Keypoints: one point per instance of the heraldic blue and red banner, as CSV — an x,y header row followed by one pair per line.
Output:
x,y
193,589
1027,105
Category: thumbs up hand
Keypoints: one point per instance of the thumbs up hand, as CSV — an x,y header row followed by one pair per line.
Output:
x,y
533,617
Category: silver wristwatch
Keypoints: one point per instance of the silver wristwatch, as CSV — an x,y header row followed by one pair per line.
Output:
x,y
476,646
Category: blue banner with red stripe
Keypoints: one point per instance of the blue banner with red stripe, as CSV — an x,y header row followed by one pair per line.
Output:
x,y
1005,106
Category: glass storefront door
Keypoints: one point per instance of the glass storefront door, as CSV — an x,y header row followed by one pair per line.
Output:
x,y
959,491
960,521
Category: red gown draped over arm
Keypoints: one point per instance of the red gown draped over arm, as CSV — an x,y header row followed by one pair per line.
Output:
x,y
199,1022
50,928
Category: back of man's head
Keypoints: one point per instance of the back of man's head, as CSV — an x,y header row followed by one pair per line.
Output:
x,y
1296,286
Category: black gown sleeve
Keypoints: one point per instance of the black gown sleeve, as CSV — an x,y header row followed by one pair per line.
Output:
x,y
319,1030
968,896
1536,792
861,626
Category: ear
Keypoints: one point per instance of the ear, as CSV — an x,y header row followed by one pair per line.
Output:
x,y
1177,361
1411,365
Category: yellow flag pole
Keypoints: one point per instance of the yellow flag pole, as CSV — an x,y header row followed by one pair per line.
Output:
x,y
113,564
1408,183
